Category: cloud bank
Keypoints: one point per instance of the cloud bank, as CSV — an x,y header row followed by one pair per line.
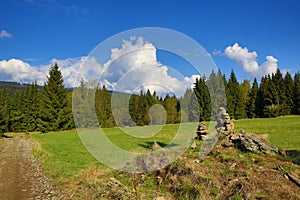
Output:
x,y
130,68
248,60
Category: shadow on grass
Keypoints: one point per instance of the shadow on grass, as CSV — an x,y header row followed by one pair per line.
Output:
x,y
294,155
7,136
149,145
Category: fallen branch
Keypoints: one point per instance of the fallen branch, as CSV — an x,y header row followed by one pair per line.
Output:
x,y
291,178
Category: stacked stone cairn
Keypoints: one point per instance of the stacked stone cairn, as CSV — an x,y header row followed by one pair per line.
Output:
x,y
201,131
224,124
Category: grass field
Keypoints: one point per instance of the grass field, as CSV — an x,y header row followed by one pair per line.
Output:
x,y
65,159
284,132
64,155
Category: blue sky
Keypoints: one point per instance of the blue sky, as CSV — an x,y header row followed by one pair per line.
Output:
x,y
237,35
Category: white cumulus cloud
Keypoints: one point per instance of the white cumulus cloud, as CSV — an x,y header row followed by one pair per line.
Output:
x,y
248,60
5,34
134,66
19,71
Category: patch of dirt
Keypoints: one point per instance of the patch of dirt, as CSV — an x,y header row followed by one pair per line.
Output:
x,y
20,175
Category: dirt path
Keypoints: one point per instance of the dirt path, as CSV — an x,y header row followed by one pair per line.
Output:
x,y
20,175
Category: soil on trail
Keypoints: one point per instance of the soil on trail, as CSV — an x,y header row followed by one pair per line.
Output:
x,y
20,175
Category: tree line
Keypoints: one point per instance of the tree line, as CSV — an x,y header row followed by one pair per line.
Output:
x,y
275,95
51,108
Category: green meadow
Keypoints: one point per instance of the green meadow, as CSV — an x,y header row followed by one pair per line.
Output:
x,y
63,154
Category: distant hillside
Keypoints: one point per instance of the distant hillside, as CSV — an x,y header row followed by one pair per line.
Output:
x,y
14,86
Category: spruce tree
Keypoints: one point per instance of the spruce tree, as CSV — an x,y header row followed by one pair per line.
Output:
x,y
143,111
83,108
296,96
235,105
103,108
203,97
134,108
30,107
268,98
4,111
55,114
245,92
278,92
16,115
252,103
287,99
171,105
189,107
217,92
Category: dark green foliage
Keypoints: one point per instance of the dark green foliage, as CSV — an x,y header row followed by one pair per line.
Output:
x,y
55,113
30,107
4,112
287,102
16,122
204,99
252,101
51,110
103,108
217,91
140,109
172,107
134,109
189,107
268,98
235,104
83,108
296,94
12,87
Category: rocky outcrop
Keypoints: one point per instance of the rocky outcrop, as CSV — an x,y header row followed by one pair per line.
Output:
x,y
250,142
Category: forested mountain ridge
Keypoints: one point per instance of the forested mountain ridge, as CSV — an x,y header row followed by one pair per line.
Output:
x,y
12,87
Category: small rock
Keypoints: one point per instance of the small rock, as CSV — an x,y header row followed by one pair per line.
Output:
x,y
114,181
193,145
158,198
227,144
232,166
155,146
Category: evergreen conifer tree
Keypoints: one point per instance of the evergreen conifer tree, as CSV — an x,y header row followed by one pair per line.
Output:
x,y
296,93
235,105
16,115
4,111
287,99
252,103
55,114
203,97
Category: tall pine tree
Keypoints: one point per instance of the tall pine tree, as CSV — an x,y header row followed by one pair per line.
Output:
x,y
252,103
103,108
203,97
217,92
235,105
55,114
189,107
287,103
296,92
4,111
16,115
